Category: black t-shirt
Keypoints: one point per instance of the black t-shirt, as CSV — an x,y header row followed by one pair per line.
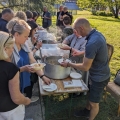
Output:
x,y
67,32
68,14
3,24
7,72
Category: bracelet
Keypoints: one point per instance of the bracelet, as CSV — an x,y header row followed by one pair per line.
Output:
x,y
35,48
42,76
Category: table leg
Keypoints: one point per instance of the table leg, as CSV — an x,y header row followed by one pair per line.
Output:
x,y
42,114
86,80
46,108
70,105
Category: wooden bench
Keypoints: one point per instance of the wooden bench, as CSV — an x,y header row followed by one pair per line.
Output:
x,y
114,90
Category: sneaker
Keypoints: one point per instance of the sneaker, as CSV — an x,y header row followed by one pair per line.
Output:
x,y
82,113
75,95
34,99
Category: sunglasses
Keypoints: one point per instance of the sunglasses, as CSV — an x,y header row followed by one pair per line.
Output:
x,y
10,36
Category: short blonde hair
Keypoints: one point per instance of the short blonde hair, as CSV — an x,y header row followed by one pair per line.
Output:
x,y
17,25
5,41
21,15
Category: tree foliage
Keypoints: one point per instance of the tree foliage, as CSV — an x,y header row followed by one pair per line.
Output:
x,y
114,5
33,5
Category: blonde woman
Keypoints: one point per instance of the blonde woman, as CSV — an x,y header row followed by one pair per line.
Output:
x,y
22,55
11,100
21,15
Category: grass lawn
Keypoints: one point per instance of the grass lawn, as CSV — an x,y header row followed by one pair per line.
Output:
x,y
56,110
110,28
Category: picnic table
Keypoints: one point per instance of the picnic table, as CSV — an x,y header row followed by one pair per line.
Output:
x,y
60,90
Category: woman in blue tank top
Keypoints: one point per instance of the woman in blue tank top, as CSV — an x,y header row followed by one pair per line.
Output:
x,y
24,76
22,55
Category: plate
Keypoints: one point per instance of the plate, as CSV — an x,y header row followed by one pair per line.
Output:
x,y
50,88
61,60
75,75
38,66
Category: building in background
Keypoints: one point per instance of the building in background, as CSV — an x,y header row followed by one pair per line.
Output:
x,y
70,4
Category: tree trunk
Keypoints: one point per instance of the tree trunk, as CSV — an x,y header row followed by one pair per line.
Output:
x,y
115,12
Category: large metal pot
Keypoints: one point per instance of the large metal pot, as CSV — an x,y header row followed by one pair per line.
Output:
x,y
53,70
48,42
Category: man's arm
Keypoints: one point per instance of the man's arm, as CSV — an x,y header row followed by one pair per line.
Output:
x,y
85,66
65,42
76,52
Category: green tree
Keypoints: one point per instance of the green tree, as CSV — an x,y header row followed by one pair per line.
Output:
x,y
114,5
33,5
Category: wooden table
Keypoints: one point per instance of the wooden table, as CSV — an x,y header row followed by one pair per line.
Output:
x,y
61,89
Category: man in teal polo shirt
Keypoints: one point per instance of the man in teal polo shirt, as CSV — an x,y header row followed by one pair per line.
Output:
x,y
96,61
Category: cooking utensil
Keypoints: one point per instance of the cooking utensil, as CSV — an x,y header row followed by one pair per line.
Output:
x,y
54,70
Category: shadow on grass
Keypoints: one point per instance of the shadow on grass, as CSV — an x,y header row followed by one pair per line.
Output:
x,y
60,109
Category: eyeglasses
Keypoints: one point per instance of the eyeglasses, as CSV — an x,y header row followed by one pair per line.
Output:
x,y
10,36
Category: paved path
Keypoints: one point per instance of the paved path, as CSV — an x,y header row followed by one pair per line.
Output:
x,y
33,111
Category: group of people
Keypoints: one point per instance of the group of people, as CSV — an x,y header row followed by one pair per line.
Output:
x,y
17,48
17,76
63,11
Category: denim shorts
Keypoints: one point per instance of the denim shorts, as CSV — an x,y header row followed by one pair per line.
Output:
x,y
96,90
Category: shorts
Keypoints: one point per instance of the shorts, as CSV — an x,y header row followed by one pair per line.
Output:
x,y
96,90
